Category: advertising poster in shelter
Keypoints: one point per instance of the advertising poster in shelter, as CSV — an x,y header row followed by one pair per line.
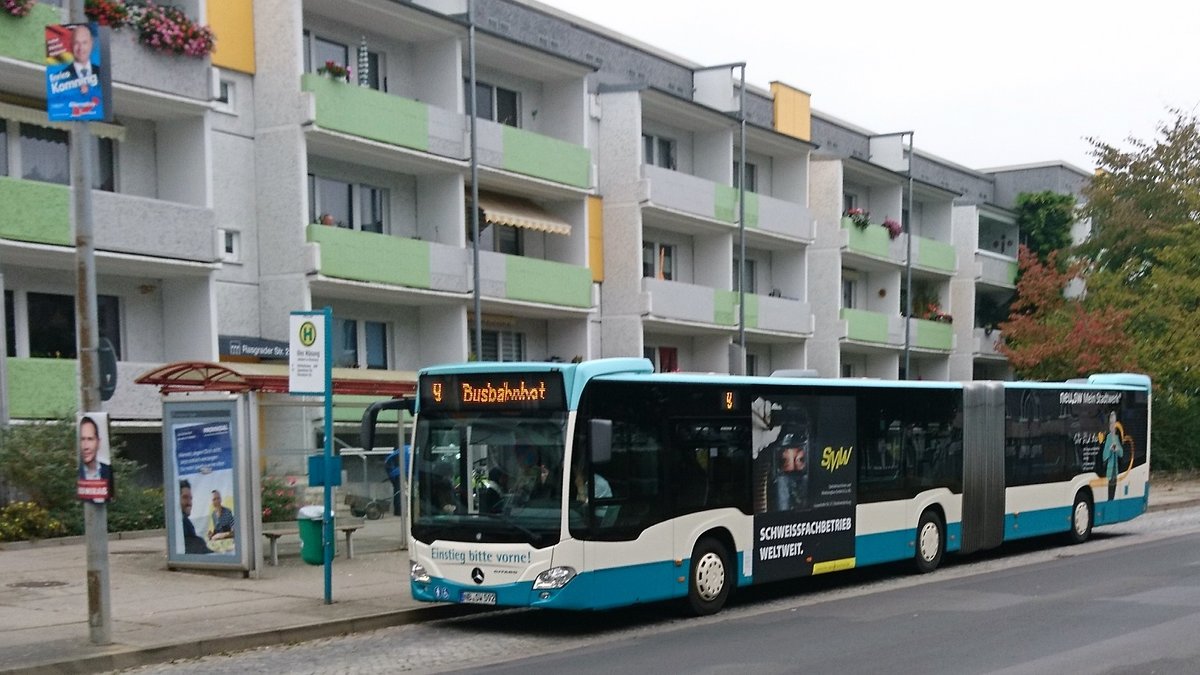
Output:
x,y
206,510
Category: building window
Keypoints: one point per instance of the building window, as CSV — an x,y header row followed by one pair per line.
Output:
x,y
751,176
658,151
847,370
750,278
45,155
10,325
231,245
849,289
501,345
360,344
51,322
3,147
665,359
318,50
849,201
495,103
658,261
331,202
751,364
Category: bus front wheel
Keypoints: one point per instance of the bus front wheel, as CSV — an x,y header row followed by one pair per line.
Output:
x,y
1081,519
931,542
710,578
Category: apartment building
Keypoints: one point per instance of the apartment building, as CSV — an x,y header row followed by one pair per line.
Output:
x,y
322,157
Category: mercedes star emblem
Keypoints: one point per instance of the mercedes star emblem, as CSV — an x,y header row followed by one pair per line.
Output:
x,y
477,575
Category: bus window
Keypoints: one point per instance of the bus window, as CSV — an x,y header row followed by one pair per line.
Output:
x,y
711,465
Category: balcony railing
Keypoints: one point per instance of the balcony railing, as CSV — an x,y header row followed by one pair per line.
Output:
x,y
873,240
533,154
679,301
777,314
412,263
934,255
40,388
867,326
987,343
683,192
40,213
996,269
934,335
374,115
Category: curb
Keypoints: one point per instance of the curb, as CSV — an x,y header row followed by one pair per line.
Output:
x,y
119,658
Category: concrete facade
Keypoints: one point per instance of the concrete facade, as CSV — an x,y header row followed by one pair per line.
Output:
x,y
227,172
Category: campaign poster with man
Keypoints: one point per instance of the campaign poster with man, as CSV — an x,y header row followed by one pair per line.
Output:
x,y
78,82
95,458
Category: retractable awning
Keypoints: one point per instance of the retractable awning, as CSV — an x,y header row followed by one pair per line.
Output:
x,y
520,212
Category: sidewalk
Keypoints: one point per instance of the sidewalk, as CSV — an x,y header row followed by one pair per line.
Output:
x,y
159,615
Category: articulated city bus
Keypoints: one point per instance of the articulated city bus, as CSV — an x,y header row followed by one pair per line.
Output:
x,y
602,484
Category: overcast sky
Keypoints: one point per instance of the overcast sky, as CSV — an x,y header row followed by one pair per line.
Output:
x,y
980,84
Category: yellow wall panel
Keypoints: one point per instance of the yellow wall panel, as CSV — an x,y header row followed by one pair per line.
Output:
x,y
793,111
595,216
233,23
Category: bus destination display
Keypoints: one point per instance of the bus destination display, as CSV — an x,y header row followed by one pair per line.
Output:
x,y
493,391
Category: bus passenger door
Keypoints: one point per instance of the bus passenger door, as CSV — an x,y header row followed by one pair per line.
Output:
x,y
620,508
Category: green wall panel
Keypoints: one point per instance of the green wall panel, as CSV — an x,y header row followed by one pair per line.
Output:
x,y
751,310
545,157
366,256
35,212
934,335
725,205
361,111
872,240
725,308
42,388
547,281
935,255
866,326
24,38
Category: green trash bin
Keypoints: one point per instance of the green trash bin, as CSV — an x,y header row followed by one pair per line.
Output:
x,y
310,523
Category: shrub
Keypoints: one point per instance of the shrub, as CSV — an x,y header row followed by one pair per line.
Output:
x,y
40,460
17,7
22,521
279,502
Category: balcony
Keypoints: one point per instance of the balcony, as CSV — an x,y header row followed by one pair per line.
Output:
x,y
374,115
873,241
764,214
514,277
995,269
679,301
987,343
533,154
875,327
933,255
24,39
685,193
40,213
777,315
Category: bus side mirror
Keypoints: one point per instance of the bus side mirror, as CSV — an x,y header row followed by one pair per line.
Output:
x,y
366,434
600,440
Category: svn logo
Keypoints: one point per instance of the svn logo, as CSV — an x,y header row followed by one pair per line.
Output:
x,y
832,460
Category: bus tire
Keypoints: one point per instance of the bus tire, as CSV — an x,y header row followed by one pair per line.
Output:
x,y
710,579
931,542
1082,519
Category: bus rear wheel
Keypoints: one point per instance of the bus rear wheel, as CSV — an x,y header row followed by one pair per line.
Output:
x,y
1081,519
710,579
931,542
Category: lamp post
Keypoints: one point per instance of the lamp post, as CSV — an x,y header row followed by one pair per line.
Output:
x,y
908,298
477,303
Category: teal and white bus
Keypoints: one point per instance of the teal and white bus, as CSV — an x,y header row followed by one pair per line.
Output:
x,y
602,484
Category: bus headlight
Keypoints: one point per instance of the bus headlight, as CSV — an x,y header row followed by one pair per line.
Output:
x,y
555,577
417,572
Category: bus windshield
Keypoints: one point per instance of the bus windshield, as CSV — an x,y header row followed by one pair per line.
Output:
x,y
488,477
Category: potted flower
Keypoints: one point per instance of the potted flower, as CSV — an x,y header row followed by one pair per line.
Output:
x,y
112,13
892,227
17,7
860,217
334,70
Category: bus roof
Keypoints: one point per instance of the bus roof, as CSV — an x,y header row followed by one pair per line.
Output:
x,y
576,375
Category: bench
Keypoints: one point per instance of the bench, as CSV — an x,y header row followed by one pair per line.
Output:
x,y
273,537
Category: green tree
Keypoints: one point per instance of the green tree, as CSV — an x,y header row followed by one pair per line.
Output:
x,y
1045,220
1144,258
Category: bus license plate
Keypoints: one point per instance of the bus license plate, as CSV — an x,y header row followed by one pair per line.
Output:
x,y
478,598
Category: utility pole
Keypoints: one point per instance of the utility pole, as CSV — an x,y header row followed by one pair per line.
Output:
x,y
95,514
